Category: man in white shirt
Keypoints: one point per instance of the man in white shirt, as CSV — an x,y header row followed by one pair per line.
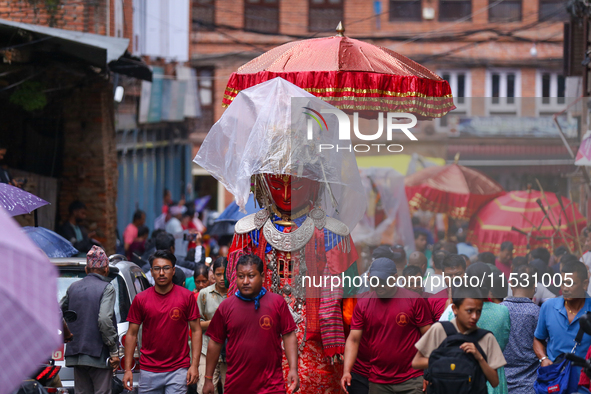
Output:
x,y
174,228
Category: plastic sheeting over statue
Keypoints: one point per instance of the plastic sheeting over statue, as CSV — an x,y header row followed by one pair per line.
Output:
x,y
310,198
264,131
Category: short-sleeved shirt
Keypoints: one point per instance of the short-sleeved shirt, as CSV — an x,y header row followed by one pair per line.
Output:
x,y
438,303
553,327
522,362
253,352
208,302
436,335
391,326
164,333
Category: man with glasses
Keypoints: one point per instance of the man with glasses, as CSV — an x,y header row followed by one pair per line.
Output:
x,y
165,311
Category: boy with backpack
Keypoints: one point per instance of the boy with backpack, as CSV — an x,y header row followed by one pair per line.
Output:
x,y
458,356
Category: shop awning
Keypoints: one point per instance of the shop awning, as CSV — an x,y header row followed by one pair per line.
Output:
x,y
94,49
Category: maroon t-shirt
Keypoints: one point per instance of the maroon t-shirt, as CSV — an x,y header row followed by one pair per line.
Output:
x,y
437,303
392,329
253,352
165,319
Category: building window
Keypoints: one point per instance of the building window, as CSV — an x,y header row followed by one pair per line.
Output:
x,y
460,83
405,10
506,11
452,10
261,15
324,15
503,87
206,98
551,88
203,14
552,10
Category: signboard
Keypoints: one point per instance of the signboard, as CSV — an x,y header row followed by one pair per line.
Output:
x,y
515,126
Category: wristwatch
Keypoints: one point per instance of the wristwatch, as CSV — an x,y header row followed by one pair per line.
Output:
x,y
543,358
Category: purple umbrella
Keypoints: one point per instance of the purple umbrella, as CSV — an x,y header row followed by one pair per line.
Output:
x,y
17,201
28,306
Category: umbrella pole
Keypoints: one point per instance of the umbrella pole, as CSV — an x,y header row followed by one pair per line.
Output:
x,y
35,218
577,240
552,213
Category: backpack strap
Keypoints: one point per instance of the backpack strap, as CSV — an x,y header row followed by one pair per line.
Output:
x,y
476,336
449,328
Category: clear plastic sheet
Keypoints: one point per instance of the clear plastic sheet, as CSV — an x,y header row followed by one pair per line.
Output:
x,y
264,131
385,187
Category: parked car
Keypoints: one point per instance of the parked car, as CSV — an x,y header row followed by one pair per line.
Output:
x,y
128,280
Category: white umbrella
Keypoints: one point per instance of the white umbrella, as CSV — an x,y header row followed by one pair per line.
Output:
x,y
28,306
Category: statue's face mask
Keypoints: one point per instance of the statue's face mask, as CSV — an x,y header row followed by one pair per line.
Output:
x,y
291,194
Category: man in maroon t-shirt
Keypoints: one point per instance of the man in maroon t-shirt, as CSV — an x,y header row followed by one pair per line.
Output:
x,y
254,322
393,320
165,311
453,266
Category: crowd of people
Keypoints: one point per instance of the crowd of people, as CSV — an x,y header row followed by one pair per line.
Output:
x,y
198,337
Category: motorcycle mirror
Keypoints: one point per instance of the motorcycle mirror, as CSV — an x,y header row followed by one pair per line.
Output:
x,y
585,323
70,316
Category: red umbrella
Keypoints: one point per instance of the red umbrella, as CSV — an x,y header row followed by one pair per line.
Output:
x,y
349,74
518,217
452,189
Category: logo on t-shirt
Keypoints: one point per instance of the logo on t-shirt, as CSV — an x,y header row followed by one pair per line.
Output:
x,y
554,389
175,314
266,322
402,319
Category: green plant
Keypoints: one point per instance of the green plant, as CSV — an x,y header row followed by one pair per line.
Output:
x,y
30,96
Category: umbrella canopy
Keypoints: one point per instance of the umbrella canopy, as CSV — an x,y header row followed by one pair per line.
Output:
x,y
17,201
224,224
349,74
53,244
28,306
452,189
516,216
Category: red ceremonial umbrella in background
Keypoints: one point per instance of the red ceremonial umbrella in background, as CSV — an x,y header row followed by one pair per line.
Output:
x,y
453,189
518,217
351,75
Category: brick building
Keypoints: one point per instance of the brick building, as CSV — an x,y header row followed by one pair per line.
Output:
x,y
65,148
492,53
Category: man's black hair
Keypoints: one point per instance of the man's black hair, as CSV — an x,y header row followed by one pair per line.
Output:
x,y
507,245
519,261
137,215
251,259
461,235
459,294
572,267
179,278
164,241
453,261
166,191
566,258
76,205
190,255
487,258
542,254
525,278
419,232
201,269
499,287
438,258
559,251
219,263
142,230
155,233
450,247
412,270
163,254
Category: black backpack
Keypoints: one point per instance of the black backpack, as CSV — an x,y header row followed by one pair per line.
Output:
x,y
451,370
